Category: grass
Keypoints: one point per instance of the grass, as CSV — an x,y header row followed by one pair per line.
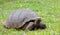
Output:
x,y
48,10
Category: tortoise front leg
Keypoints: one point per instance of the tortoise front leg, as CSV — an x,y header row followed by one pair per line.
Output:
x,y
29,26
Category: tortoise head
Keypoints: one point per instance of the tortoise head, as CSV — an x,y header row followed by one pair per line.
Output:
x,y
40,24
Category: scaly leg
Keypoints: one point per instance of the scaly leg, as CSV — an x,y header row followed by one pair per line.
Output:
x,y
29,26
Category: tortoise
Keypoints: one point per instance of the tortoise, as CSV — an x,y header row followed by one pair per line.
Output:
x,y
25,19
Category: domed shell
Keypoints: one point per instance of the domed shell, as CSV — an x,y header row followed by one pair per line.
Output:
x,y
19,17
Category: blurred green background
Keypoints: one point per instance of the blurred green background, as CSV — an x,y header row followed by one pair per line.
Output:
x,y
48,10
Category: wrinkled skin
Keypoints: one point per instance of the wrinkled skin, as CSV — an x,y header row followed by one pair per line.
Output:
x,y
24,19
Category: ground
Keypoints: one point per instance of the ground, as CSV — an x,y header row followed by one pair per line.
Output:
x,y
48,10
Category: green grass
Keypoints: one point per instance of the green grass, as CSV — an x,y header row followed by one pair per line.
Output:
x,y
48,10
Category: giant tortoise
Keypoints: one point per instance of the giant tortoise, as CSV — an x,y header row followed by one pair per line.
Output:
x,y
24,19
